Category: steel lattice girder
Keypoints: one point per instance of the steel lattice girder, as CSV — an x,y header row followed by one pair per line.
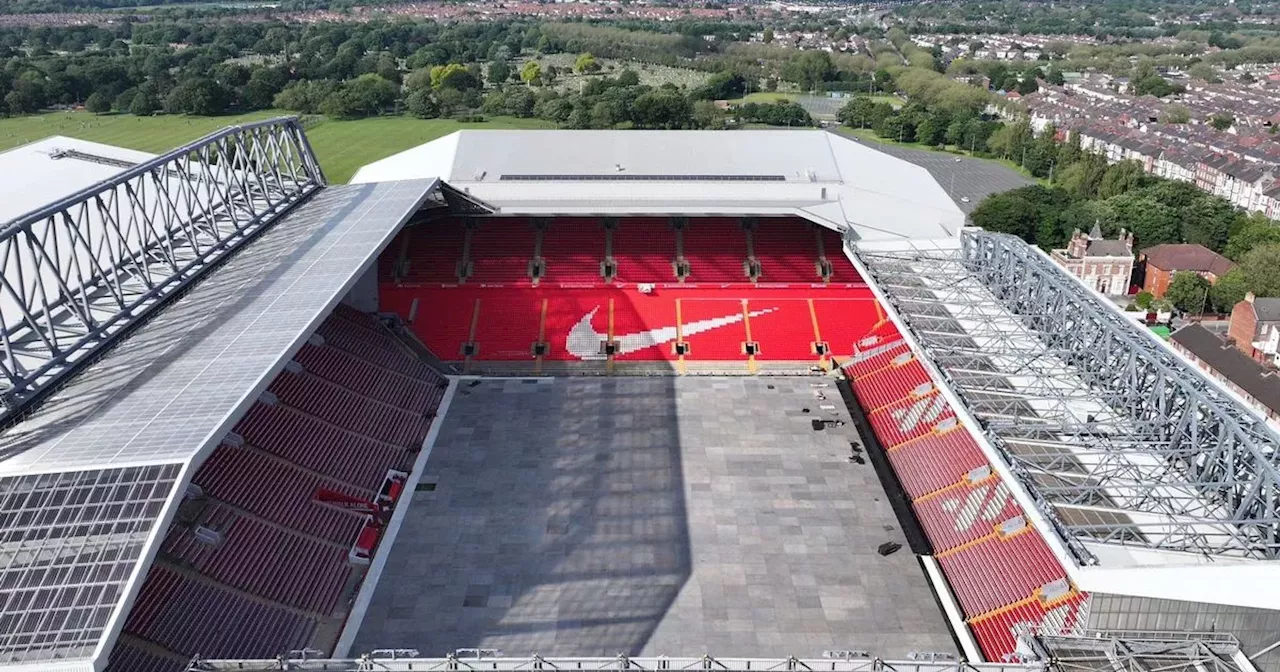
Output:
x,y
1136,651
1159,439
77,273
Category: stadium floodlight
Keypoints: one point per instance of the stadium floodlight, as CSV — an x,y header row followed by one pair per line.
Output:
x,y
77,274
1118,439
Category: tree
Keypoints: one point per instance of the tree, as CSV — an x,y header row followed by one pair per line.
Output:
x,y
1228,291
263,85
767,37
862,112
1143,300
98,103
586,63
1007,213
199,96
808,69
1177,114
453,76
1010,140
661,108
144,104
1204,71
1253,231
422,104
1259,269
1188,291
531,73
1221,122
930,132
364,96
1207,221
1121,178
628,78
1151,221
707,115
498,72
723,85
305,96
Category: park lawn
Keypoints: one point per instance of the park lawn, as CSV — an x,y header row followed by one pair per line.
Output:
x,y
148,134
764,97
896,102
342,146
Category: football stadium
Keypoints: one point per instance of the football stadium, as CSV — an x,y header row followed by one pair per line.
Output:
x,y
594,400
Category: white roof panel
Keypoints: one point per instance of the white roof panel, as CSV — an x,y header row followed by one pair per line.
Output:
x,y
823,176
41,172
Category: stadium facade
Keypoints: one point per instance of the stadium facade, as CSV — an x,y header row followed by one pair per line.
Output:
x,y
208,429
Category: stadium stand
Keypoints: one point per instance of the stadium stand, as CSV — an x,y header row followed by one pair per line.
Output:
x,y
715,250
501,250
788,316
255,564
786,251
430,254
573,251
644,250
999,567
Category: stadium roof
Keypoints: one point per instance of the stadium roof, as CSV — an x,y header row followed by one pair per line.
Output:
x,y
91,476
41,172
822,176
1146,477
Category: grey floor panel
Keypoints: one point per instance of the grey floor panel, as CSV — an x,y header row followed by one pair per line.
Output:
x,y
649,516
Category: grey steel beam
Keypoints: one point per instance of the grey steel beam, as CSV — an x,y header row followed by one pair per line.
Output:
x,y
1141,427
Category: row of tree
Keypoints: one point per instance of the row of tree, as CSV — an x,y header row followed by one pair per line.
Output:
x,y
1086,191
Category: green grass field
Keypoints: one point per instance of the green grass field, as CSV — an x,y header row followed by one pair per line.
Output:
x,y
764,97
342,146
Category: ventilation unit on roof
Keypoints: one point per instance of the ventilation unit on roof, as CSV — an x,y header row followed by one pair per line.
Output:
x,y
207,535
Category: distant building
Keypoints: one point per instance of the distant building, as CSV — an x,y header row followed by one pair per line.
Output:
x,y
1159,262
1105,265
1255,327
1256,383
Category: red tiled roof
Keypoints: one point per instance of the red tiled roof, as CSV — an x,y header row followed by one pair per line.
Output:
x,y
1187,257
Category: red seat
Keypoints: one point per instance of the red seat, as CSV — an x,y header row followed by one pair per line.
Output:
x,y
716,250
786,250
501,249
998,571
994,633
965,512
573,250
935,461
644,250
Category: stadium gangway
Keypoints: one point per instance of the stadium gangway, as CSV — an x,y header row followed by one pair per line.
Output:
x,y
76,274
392,661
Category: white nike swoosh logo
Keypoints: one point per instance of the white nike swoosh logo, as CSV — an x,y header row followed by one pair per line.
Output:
x,y
584,341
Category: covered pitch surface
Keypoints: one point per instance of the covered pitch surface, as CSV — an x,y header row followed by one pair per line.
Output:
x,y
648,516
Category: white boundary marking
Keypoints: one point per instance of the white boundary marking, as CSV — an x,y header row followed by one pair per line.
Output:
x,y
355,618
952,610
